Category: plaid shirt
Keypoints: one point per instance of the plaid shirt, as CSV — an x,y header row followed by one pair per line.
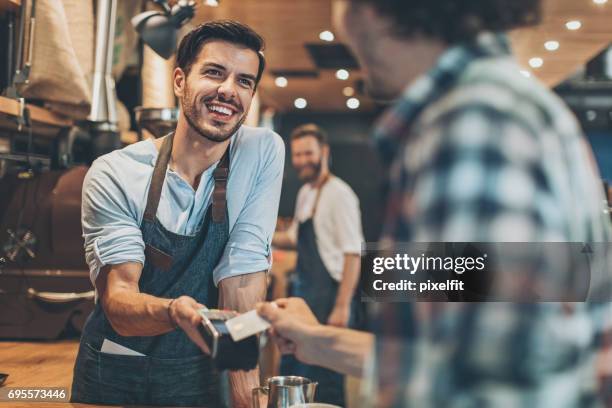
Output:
x,y
480,153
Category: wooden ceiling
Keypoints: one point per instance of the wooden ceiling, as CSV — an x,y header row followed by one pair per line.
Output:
x,y
288,25
576,47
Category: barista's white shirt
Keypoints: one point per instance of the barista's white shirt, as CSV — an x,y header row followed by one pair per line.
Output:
x,y
337,222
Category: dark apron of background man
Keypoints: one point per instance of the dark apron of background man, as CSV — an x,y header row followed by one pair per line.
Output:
x,y
316,286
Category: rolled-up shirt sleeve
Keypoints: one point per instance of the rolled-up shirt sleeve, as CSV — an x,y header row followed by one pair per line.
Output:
x,y
248,248
110,228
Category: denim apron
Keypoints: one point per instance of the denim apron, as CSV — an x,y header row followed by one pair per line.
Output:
x,y
174,371
316,286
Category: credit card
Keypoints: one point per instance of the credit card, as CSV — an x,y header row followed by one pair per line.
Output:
x,y
245,325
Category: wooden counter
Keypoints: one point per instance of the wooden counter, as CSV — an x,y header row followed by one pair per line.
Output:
x,y
39,364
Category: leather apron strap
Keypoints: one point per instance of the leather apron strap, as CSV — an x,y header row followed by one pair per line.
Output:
x,y
316,203
220,175
159,175
219,195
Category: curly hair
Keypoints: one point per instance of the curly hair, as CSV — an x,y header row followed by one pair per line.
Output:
x,y
455,21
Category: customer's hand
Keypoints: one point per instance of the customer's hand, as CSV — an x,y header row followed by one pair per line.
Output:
x,y
184,313
292,324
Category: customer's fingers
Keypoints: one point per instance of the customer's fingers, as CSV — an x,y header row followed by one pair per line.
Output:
x,y
268,311
292,302
284,345
282,303
287,348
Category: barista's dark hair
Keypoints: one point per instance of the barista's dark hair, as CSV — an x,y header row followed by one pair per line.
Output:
x,y
310,129
454,21
225,30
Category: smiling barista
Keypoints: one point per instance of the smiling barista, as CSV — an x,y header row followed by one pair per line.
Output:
x,y
177,223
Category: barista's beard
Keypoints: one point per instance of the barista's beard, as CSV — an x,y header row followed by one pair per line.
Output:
x,y
210,136
189,116
316,174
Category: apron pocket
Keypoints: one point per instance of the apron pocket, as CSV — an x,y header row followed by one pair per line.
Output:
x,y
158,258
102,378
122,373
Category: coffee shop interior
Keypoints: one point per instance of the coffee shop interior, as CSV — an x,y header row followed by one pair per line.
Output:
x,y
79,79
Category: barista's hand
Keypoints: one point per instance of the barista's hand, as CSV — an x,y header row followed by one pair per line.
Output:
x,y
292,321
184,313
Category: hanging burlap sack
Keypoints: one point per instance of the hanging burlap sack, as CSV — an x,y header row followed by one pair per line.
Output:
x,y
62,55
64,52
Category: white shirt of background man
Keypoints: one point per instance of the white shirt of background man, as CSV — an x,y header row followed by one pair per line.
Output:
x,y
337,222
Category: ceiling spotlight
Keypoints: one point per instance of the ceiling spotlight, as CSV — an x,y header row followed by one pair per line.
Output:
x,y
281,82
573,25
300,103
159,29
551,45
342,74
348,91
525,73
600,1
353,103
326,36
211,3
536,62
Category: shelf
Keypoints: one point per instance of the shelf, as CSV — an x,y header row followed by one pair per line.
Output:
x,y
38,115
44,122
9,5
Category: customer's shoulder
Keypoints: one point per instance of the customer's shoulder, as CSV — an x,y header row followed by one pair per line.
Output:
x,y
499,89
